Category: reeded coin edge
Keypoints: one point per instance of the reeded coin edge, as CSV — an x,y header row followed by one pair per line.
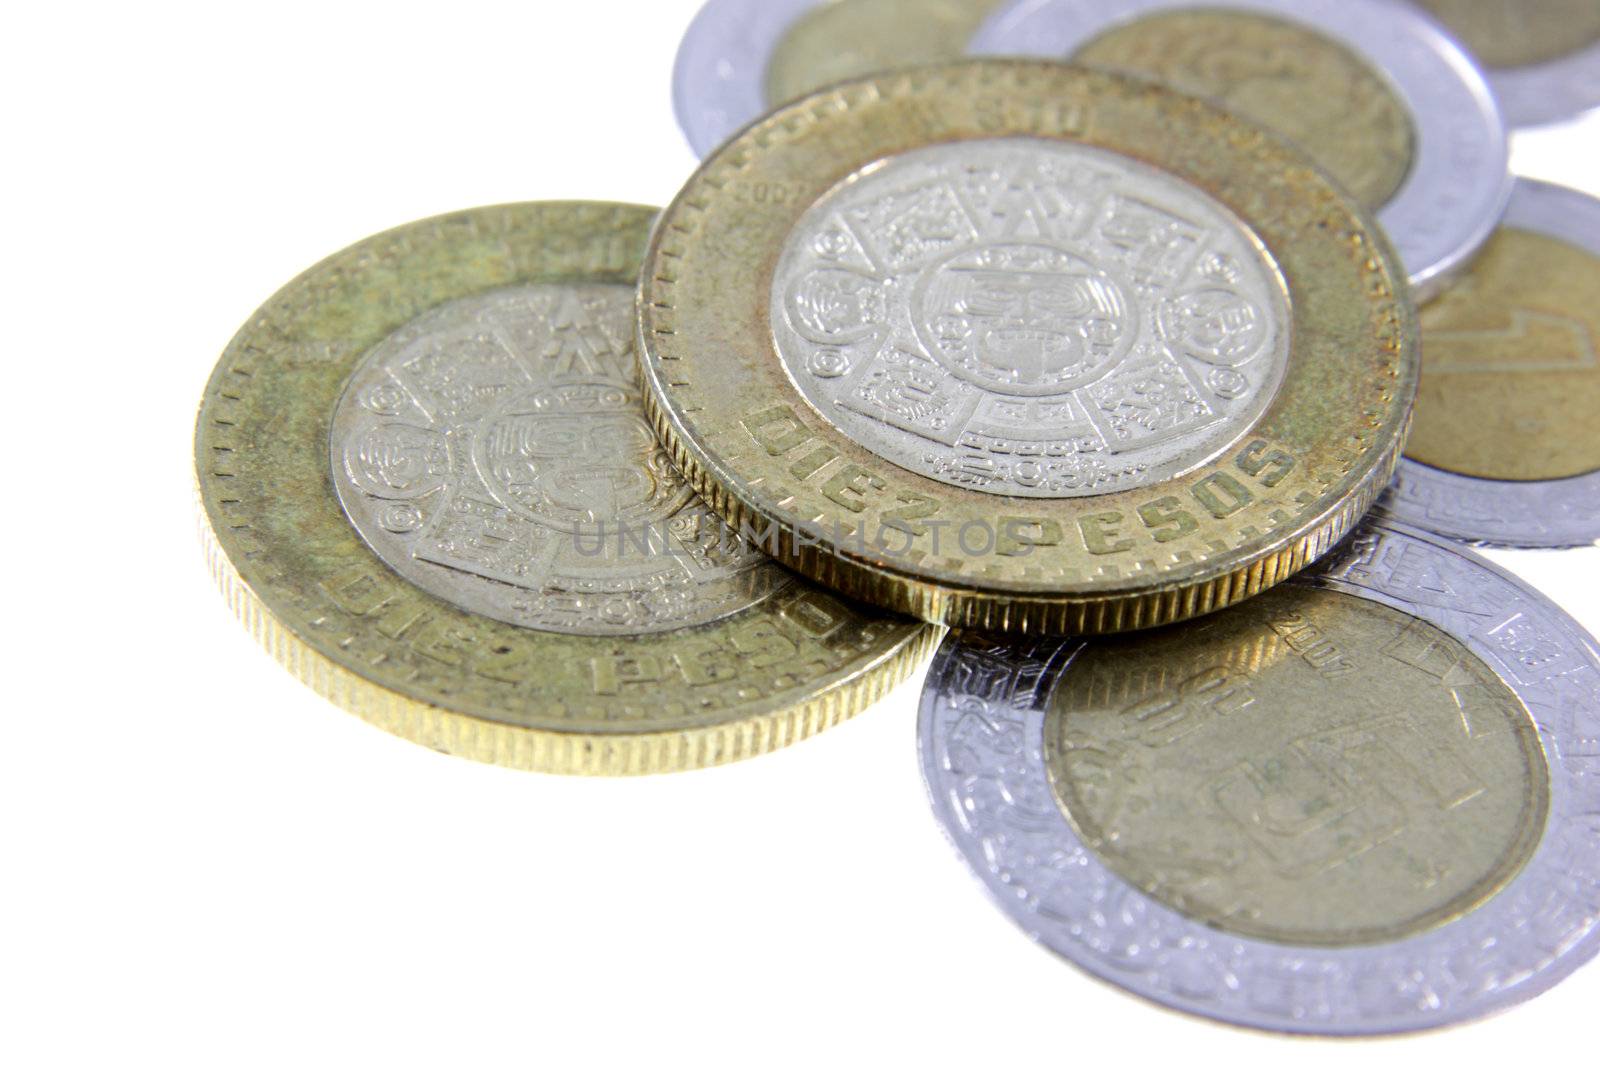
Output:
x,y
950,600
972,608
454,733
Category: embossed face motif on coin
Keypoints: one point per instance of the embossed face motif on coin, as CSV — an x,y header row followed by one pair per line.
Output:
x,y
495,453
1308,87
1030,318
1309,768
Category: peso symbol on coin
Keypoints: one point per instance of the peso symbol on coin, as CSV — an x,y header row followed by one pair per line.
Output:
x,y
1037,348
430,488
1543,59
1357,804
1384,100
1506,450
741,58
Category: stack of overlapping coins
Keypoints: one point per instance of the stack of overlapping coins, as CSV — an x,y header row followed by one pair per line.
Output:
x,y
1103,349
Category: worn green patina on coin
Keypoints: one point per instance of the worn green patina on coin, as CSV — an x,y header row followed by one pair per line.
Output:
x,y
429,489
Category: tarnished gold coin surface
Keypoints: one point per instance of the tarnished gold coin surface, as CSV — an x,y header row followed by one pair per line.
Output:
x,y
1511,379
1285,76
852,38
429,488
1520,33
1310,768
1018,346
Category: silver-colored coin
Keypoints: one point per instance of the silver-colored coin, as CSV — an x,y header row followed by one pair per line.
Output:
x,y
925,309
1374,863
742,58
1542,57
1455,189
1551,513
1561,89
495,453
719,82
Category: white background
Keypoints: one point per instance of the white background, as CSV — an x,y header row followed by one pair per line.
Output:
x,y
202,862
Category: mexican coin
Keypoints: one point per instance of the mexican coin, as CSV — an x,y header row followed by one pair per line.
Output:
x,y
742,58
430,490
1361,803
1376,92
1506,445
1012,345
1543,59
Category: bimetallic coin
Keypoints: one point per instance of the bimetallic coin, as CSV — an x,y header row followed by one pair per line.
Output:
x,y
484,449
1377,93
1013,346
1506,446
742,58
1016,328
430,489
1543,58
1357,804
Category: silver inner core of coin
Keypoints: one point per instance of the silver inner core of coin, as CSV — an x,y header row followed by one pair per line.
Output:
x,y
495,453
1459,180
1030,318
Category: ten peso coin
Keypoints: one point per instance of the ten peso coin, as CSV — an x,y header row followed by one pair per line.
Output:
x,y
430,490
1016,346
1543,59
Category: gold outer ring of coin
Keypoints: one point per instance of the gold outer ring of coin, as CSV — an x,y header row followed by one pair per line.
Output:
x,y
1313,464
298,575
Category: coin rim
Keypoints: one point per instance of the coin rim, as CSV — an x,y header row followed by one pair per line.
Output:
x,y
1443,213
796,258
1000,604
720,74
1299,1014
1551,513
774,722
1541,94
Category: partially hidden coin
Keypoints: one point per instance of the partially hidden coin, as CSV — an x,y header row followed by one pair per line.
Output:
x,y
1506,445
742,58
1361,803
430,490
1016,346
1375,91
1543,59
